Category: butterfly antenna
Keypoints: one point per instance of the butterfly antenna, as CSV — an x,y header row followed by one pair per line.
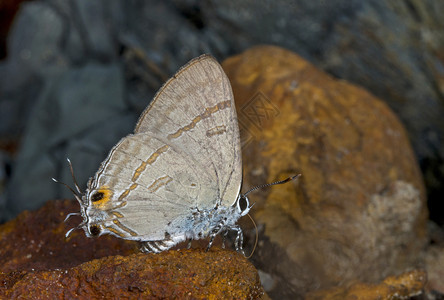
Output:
x,y
68,187
273,183
77,194
257,237
73,177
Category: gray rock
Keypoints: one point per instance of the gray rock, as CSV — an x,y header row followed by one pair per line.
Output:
x,y
80,114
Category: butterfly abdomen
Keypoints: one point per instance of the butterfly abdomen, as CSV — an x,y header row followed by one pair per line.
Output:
x,y
210,222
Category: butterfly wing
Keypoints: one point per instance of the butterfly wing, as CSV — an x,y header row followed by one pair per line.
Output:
x,y
144,184
195,111
185,154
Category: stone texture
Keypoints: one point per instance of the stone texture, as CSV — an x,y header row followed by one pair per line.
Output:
x,y
96,93
435,268
392,48
35,241
37,261
358,211
404,286
191,274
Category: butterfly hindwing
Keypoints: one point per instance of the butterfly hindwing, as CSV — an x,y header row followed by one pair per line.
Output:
x,y
147,184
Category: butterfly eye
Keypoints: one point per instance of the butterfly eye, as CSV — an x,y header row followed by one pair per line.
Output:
x,y
94,230
97,196
243,205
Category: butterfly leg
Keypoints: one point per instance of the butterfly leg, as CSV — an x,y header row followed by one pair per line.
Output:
x,y
239,239
189,243
214,232
212,237
151,247
224,237
145,247
157,246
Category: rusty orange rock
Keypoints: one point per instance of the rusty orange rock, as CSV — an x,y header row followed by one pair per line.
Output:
x,y
404,286
36,241
37,262
358,212
218,274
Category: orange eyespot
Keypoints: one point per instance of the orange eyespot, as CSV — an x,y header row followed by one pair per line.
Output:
x,y
101,198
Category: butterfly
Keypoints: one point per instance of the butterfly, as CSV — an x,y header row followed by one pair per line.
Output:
x,y
178,176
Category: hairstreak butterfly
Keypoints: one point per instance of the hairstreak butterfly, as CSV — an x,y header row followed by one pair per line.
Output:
x,y
178,176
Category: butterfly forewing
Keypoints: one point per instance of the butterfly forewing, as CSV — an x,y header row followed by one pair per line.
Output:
x,y
195,111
